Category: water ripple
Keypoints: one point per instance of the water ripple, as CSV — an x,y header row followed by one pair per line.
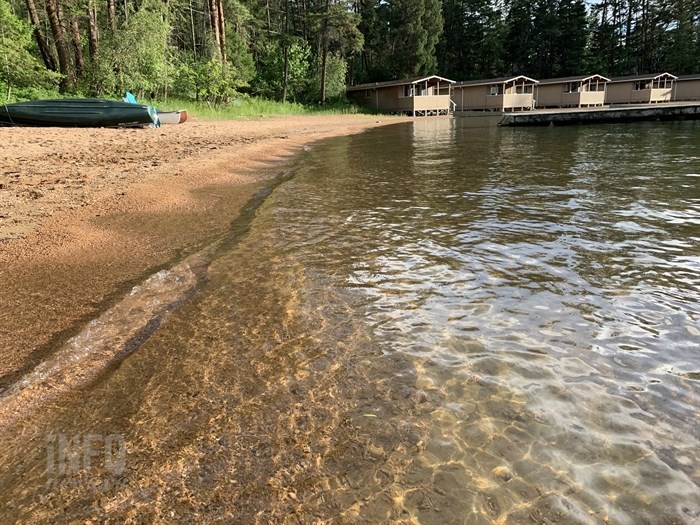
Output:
x,y
552,269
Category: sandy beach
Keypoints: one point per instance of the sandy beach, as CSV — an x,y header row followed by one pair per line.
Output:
x,y
85,214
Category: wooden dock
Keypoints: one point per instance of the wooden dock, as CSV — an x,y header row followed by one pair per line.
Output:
x,y
605,115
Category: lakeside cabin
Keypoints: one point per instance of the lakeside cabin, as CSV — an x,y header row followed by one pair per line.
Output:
x,y
571,92
687,87
495,94
640,89
419,96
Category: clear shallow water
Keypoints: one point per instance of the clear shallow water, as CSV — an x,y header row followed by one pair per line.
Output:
x,y
437,322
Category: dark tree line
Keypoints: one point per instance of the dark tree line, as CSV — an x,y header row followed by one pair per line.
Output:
x,y
308,50
554,38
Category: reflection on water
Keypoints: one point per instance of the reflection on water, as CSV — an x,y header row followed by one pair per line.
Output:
x,y
437,322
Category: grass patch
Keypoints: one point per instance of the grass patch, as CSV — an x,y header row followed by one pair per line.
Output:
x,y
244,106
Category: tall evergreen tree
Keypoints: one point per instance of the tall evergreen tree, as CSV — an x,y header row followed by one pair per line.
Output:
x,y
337,33
412,29
369,66
520,38
572,46
472,42
682,46
546,61
605,47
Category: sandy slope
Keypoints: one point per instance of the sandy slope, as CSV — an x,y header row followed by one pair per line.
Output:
x,y
87,213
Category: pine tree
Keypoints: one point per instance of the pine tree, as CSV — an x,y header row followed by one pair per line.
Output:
x,y
472,42
412,30
520,38
682,49
571,48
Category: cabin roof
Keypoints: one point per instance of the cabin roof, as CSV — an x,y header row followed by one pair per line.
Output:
x,y
649,76
577,78
389,83
491,81
694,76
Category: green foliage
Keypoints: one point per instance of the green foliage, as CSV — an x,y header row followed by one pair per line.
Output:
x,y
338,29
547,38
240,60
210,80
185,79
21,72
269,78
656,35
520,38
549,31
216,81
169,49
472,43
682,53
245,106
336,73
572,46
136,57
413,28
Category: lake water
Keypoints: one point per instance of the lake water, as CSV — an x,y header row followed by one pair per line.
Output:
x,y
434,322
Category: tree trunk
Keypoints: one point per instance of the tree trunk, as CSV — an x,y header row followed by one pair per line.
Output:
x,y
324,59
285,73
112,14
222,30
323,37
59,37
302,16
194,39
214,15
351,73
77,47
46,53
93,34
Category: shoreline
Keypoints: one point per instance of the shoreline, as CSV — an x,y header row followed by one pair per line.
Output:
x,y
85,214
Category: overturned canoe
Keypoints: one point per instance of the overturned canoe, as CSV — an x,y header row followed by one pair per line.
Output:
x,y
172,117
76,112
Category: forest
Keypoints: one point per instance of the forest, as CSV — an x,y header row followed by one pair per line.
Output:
x,y
308,51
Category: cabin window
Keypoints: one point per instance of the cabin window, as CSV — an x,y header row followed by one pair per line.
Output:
x,y
368,93
572,87
408,90
661,83
496,89
641,85
521,89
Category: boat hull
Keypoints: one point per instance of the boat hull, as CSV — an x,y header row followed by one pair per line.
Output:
x,y
84,112
172,117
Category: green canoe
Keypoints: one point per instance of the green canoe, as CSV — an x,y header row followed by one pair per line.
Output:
x,y
76,112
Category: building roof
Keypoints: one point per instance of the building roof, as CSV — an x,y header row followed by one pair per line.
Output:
x,y
694,76
577,78
491,81
649,76
389,83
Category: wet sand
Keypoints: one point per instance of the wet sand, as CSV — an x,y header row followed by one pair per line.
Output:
x,y
85,214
